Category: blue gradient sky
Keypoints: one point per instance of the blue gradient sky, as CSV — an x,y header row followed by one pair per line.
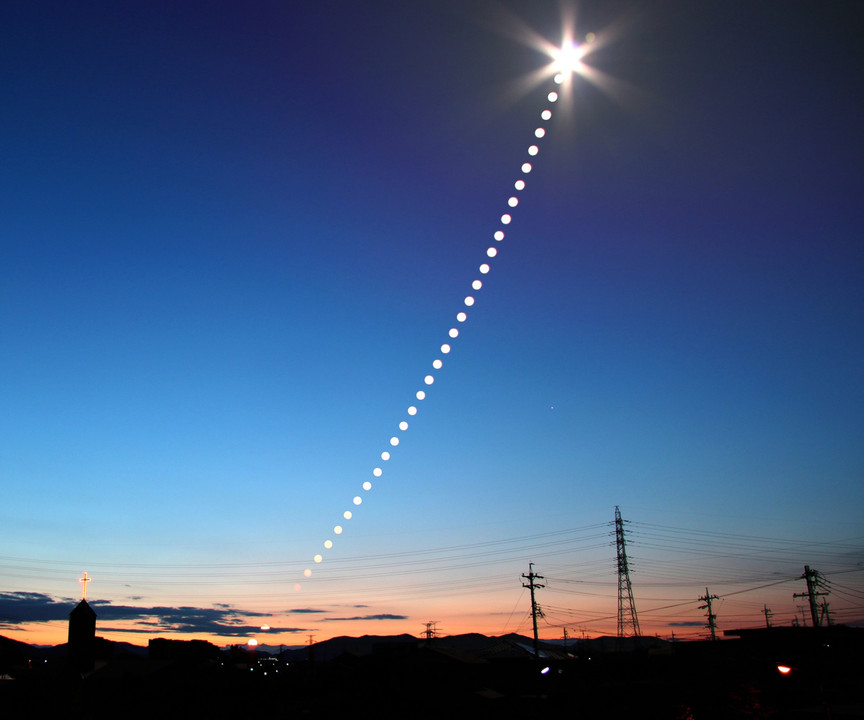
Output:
x,y
234,239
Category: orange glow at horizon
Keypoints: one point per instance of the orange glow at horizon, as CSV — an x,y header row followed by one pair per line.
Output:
x,y
488,616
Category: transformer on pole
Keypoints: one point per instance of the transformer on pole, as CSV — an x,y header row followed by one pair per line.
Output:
x,y
815,582
711,624
532,585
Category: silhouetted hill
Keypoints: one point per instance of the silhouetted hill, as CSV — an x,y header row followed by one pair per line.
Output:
x,y
16,654
13,654
333,648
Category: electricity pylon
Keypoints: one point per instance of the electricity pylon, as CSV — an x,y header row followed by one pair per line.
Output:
x,y
627,618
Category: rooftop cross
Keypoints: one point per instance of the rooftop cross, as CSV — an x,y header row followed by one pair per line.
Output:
x,y
84,579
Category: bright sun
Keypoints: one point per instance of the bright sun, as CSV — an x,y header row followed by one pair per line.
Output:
x,y
568,58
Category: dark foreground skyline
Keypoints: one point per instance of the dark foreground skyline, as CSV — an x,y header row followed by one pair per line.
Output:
x,y
484,677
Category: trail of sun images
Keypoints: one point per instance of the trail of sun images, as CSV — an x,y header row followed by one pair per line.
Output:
x,y
453,332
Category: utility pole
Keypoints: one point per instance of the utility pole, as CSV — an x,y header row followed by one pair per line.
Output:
x,y
531,577
767,613
565,641
627,618
712,618
815,582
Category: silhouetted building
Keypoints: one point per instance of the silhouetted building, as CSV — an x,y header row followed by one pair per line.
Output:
x,y
82,637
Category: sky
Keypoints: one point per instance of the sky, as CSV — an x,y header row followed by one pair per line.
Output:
x,y
236,237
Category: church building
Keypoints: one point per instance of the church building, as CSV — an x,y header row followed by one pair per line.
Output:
x,y
82,633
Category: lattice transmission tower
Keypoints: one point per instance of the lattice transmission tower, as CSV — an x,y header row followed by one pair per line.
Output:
x,y
628,620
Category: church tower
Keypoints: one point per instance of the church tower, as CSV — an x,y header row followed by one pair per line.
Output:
x,y
82,632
